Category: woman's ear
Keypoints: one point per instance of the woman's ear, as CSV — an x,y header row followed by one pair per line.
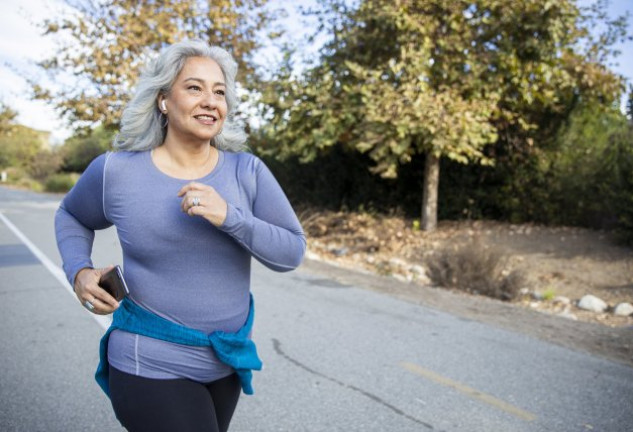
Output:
x,y
162,104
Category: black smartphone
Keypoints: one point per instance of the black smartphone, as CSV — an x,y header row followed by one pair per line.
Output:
x,y
113,282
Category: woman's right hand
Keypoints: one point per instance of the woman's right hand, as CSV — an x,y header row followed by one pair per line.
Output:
x,y
89,292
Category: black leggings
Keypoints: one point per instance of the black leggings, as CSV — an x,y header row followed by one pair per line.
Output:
x,y
144,404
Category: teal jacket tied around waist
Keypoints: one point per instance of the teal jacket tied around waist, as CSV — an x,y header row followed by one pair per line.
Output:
x,y
233,349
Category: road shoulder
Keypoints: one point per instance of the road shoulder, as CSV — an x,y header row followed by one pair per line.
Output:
x,y
615,344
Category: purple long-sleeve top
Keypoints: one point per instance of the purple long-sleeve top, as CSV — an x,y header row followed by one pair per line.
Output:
x,y
180,267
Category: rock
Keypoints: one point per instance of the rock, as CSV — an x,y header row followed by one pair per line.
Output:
x,y
418,273
417,269
424,280
568,315
562,300
397,262
592,303
399,277
623,309
339,251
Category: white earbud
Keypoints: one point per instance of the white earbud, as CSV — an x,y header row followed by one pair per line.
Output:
x,y
164,105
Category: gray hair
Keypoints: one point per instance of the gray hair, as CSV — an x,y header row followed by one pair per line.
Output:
x,y
143,126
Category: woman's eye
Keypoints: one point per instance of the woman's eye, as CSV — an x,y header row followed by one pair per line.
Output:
x,y
194,87
219,92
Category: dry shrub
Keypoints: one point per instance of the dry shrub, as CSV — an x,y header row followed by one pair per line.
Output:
x,y
476,269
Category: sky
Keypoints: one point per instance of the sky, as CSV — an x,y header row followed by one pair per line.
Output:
x,y
21,45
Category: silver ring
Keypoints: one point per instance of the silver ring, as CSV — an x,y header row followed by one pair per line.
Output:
x,y
196,201
89,306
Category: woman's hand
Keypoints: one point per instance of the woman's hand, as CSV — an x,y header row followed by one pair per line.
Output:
x,y
89,292
202,200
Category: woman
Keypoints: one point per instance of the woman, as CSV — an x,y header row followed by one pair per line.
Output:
x,y
190,210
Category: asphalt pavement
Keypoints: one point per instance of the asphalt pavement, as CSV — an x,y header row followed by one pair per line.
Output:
x,y
336,357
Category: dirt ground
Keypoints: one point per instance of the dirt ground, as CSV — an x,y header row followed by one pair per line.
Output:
x,y
388,254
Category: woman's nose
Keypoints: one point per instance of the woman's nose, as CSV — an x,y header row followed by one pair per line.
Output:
x,y
208,100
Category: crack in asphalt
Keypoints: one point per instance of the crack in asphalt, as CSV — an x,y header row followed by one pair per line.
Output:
x,y
277,347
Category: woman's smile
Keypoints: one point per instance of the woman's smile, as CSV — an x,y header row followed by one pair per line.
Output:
x,y
206,119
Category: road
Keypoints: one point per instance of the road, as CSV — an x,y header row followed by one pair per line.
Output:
x,y
336,357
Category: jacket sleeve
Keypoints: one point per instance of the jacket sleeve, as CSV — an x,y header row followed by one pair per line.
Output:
x,y
271,232
79,215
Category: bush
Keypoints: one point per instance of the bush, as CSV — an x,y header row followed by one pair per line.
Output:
x,y
14,174
44,164
617,186
61,182
29,183
476,269
80,149
17,176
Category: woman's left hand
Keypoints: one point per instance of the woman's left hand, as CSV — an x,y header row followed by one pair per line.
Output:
x,y
202,200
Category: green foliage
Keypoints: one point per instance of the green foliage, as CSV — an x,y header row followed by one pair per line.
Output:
x,y
7,118
569,180
108,41
80,149
629,104
549,294
30,184
411,77
61,182
14,174
616,186
7,146
18,176
20,145
24,152
579,167
581,177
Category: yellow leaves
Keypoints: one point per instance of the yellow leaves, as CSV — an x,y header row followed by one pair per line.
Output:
x,y
364,146
50,27
40,93
526,126
109,45
388,171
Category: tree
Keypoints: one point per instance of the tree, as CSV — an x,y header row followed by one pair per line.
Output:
x,y
44,164
581,168
108,41
80,149
629,104
7,123
618,168
19,146
440,78
7,118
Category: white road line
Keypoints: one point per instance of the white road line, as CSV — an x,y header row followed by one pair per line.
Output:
x,y
58,273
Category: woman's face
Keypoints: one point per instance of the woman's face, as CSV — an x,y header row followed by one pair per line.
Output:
x,y
196,105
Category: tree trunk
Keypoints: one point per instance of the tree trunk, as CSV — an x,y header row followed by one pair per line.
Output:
x,y
429,199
